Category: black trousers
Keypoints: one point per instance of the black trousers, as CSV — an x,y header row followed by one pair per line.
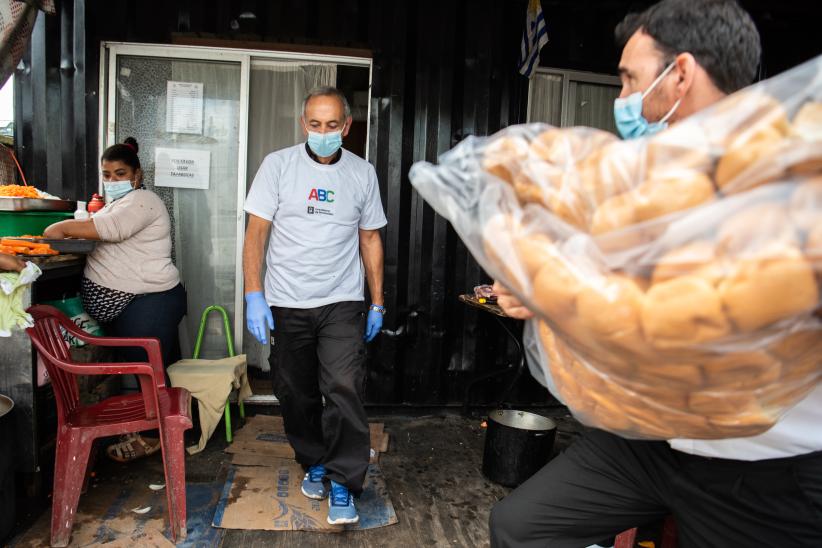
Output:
x,y
604,484
316,353
151,315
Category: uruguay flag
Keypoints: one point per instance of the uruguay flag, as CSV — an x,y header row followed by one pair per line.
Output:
x,y
533,38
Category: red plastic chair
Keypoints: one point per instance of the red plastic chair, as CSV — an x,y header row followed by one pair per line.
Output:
x,y
627,539
155,407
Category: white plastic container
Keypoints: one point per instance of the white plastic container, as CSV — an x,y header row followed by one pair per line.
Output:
x,y
80,213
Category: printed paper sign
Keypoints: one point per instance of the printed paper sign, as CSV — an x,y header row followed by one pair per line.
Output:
x,y
184,107
182,168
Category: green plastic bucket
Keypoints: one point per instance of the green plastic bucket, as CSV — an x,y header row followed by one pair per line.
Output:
x,y
20,223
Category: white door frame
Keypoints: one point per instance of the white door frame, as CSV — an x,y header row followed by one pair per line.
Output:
x,y
109,51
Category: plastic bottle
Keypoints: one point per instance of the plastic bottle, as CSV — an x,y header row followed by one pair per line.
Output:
x,y
80,213
96,204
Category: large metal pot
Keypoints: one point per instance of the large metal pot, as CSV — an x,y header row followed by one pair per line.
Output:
x,y
7,494
517,444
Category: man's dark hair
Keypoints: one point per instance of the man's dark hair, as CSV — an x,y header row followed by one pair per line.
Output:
x,y
719,34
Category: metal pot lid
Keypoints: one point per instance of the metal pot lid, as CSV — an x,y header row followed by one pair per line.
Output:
x,y
522,420
6,404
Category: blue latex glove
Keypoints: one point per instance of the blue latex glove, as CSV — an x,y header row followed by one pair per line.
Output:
x,y
372,325
258,316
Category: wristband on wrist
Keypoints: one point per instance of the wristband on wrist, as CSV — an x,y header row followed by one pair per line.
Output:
x,y
377,308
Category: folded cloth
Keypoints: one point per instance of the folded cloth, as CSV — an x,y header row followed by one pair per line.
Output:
x,y
12,287
210,382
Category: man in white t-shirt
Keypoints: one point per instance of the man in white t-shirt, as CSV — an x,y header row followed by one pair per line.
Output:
x,y
679,57
319,207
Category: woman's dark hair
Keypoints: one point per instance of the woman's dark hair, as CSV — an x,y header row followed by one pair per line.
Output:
x,y
125,152
719,34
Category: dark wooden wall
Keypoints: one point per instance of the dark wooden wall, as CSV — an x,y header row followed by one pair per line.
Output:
x,y
442,70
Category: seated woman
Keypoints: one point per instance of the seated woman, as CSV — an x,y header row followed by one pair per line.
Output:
x,y
130,284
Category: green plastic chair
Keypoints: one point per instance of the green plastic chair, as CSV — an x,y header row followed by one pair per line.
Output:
x,y
230,347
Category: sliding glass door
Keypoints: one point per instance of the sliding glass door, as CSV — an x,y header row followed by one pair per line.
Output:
x,y
189,118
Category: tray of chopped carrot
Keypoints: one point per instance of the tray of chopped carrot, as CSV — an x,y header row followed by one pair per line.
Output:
x,y
26,247
28,198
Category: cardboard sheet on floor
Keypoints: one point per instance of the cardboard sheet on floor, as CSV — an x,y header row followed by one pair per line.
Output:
x,y
269,498
263,437
105,518
262,491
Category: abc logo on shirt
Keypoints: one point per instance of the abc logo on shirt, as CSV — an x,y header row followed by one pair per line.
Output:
x,y
321,195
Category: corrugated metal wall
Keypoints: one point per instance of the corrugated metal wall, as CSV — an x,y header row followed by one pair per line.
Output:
x,y
55,105
442,70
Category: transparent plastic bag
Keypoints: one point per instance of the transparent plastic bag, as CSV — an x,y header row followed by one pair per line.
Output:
x,y
676,278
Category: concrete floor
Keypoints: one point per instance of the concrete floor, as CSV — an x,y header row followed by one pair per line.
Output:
x,y
432,469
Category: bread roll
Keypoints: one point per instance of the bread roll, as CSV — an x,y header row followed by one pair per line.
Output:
x,y
649,420
743,155
559,364
668,156
588,378
658,197
742,424
741,371
806,204
787,394
741,116
683,311
759,292
712,403
611,311
503,156
800,354
696,259
797,346
568,203
556,287
758,124
807,124
547,186
753,230
670,397
556,147
611,170
609,413
549,342
614,213
564,147
498,237
813,246
804,159
533,251
685,376
528,192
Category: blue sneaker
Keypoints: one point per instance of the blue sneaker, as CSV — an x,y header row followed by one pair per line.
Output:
x,y
341,505
313,486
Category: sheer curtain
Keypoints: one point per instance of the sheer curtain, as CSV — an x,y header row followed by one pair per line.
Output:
x,y
545,99
205,232
277,90
276,95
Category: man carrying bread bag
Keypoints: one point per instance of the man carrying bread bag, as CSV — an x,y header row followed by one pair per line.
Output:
x,y
679,57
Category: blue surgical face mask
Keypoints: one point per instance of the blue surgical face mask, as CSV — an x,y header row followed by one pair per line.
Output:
x,y
628,112
325,144
115,190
